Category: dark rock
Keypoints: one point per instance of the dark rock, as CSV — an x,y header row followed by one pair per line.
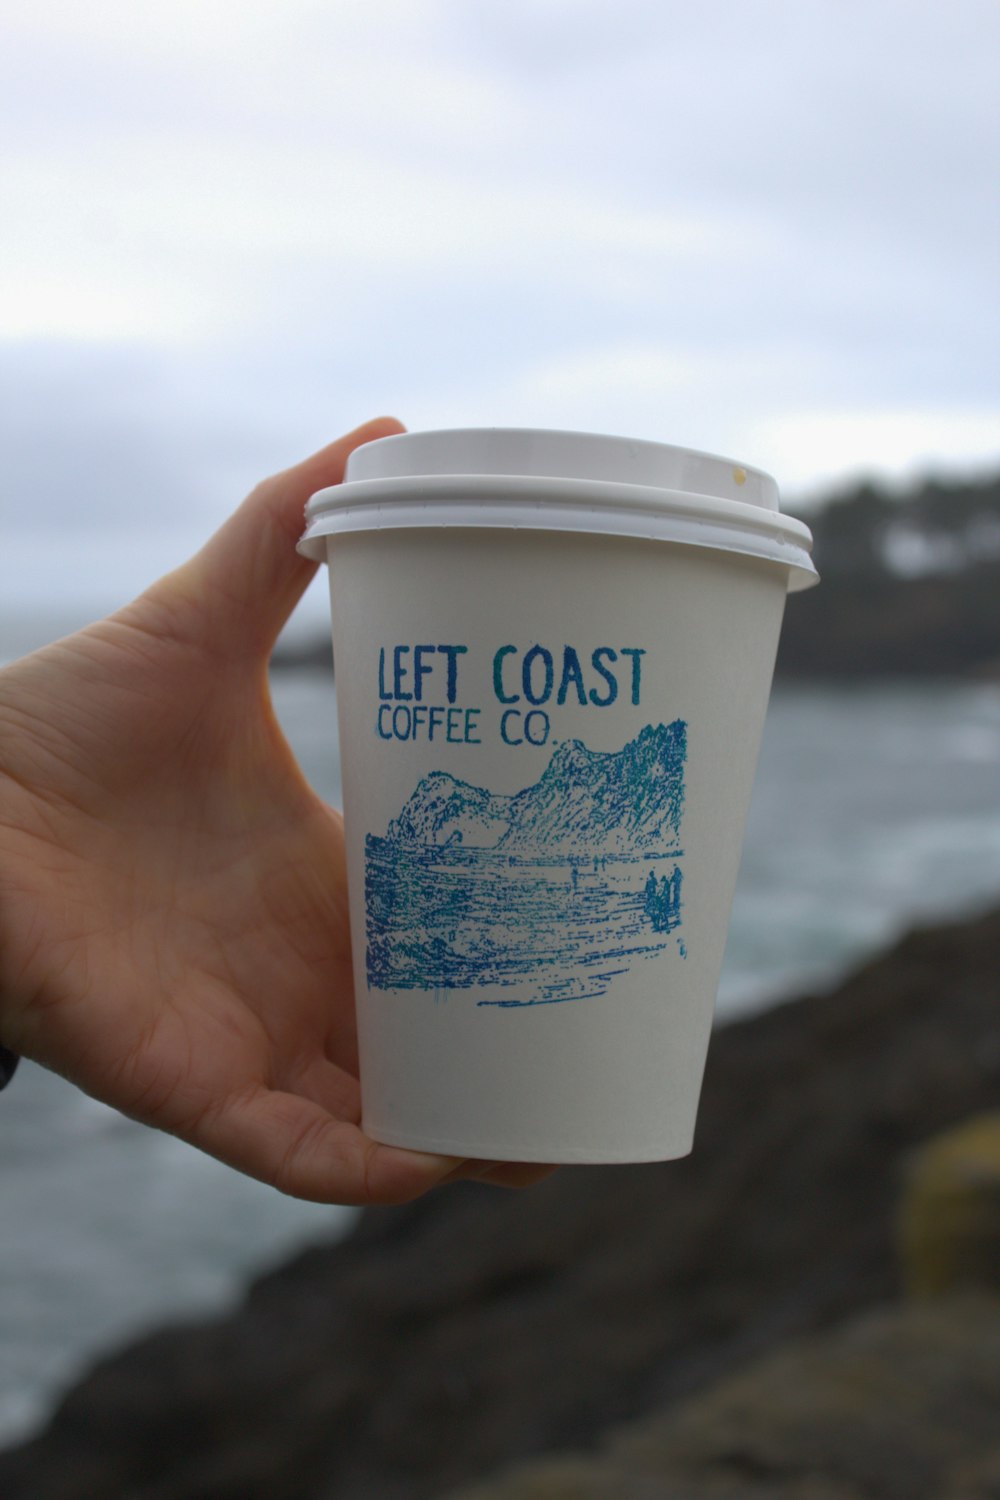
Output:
x,y
898,1405
476,1328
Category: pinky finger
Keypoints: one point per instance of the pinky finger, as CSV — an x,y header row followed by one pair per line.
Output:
x,y
302,1150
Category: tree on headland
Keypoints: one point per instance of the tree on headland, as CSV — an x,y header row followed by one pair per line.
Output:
x,y
909,585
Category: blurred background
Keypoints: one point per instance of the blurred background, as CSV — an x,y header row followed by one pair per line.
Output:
x,y
232,231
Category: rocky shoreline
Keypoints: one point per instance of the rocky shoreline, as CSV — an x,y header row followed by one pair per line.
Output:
x,y
447,1340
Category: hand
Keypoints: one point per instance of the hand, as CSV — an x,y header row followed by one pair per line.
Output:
x,y
173,900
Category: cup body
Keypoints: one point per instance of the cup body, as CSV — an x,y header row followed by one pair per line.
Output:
x,y
548,743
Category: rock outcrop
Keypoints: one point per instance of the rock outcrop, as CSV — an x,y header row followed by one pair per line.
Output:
x,y
900,1404
949,1221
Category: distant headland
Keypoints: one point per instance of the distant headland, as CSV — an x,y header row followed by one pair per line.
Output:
x,y
909,588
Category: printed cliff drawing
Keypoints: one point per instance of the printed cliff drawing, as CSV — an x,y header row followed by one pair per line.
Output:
x,y
574,878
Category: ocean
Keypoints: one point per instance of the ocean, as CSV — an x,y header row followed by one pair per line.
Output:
x,y
875,807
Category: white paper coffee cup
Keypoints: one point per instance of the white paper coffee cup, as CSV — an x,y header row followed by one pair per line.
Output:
x,y
553,656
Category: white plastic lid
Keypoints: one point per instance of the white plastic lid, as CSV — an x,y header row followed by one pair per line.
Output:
x,y
504,477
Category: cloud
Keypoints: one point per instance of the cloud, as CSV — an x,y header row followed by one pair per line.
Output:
x,y
116,435
901,442
233,230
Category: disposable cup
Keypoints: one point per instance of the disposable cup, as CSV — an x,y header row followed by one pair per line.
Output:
x,y
553,654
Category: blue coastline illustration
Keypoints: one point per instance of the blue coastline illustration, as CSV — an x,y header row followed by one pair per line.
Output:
x,y
554,890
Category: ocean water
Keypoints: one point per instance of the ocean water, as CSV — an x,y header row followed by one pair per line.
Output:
x,y
874,807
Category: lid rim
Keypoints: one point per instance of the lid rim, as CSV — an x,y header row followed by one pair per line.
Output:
x,y
558,506
452,490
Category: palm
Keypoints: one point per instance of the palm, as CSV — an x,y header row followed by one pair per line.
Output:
x,y
175,932
194,868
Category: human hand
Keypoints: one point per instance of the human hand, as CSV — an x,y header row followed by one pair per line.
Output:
x,y
173,896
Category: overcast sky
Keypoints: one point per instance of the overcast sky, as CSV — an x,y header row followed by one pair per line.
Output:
x,y
233,228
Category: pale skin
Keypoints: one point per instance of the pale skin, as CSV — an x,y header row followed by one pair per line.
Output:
x,y
173,901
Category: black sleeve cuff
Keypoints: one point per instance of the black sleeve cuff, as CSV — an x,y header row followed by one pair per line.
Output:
x,y
8,1062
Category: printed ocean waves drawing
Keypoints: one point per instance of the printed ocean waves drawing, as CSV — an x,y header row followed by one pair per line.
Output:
x,y
555,890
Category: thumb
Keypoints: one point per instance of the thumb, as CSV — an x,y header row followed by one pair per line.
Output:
x,y
248,577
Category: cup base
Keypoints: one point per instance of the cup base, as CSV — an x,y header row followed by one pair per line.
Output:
x,y
552,1155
